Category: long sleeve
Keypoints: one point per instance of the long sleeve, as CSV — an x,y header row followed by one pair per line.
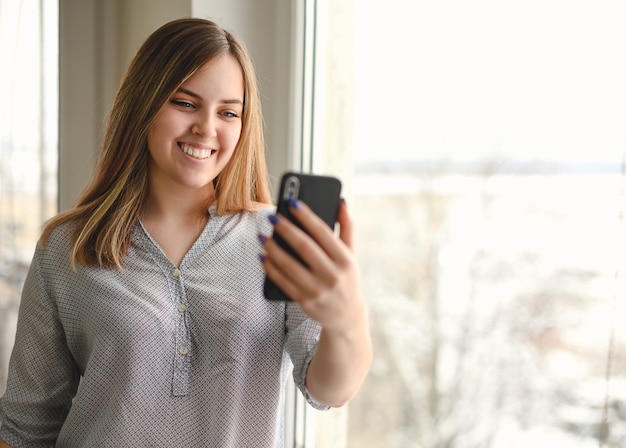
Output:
x,y
43,377
302,338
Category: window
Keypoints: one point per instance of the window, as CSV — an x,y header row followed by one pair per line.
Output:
x,y
484,173
480,144
28,147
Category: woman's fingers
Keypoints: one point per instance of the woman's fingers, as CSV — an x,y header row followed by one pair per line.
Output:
x,y
319,231
321,250
283,276
346,225
310,252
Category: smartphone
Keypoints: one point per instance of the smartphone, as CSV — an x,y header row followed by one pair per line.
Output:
x,y
321,193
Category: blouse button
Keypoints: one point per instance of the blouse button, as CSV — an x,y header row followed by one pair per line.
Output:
x,y
175,273
182,307
183,351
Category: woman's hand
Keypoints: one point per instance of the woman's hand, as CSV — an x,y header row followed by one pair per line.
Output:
x,y
329,291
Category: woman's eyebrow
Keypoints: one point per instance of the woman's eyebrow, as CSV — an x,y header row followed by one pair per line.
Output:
x,y
190,93
198,97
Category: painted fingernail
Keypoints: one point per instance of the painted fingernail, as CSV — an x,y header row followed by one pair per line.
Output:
x,y
294,203
273,219
262,258
262,238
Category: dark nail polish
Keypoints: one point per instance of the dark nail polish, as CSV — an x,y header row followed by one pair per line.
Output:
x,y
262,258
273,219
293,203
262,238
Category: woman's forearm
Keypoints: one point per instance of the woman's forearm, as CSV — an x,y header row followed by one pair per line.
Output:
x,y
340,365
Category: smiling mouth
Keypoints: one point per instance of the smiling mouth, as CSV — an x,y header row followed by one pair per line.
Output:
x,y
197,153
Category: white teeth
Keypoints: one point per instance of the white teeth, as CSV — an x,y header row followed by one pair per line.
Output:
x,y
195,152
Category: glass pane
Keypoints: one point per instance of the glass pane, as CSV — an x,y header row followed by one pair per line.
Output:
x,y
489,202
28,146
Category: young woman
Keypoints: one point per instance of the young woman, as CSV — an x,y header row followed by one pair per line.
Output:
x,y
143,321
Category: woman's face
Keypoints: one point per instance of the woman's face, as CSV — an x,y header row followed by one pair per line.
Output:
x,y
195,135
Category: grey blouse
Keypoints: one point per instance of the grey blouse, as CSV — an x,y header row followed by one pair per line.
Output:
x,y
153,355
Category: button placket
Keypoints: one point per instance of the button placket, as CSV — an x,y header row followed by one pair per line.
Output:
x,y
182,359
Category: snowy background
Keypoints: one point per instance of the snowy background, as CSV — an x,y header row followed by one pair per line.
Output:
x,y
494,300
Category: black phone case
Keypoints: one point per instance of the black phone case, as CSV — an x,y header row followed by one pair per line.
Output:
x,y
321,193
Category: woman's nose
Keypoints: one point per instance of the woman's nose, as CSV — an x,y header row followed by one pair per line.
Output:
x,y
204,125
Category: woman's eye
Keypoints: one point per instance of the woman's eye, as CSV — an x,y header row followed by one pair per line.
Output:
x,y
230,114
182,103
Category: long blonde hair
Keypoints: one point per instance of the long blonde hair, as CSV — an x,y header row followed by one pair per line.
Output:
x,y
107,209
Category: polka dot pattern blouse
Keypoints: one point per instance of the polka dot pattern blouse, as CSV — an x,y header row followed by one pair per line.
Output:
x,y
154,355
